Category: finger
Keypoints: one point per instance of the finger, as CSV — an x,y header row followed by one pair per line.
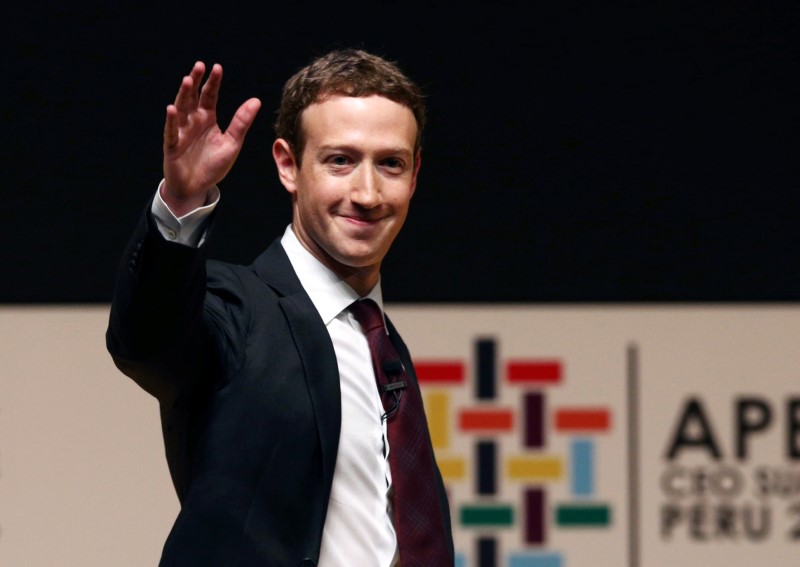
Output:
x,y
186,98
210,92
197,73
183,100
243,119
171,127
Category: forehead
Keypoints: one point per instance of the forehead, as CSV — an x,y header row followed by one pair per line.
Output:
x,y
345,120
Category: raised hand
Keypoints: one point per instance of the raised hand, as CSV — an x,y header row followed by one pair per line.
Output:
x,y
197,153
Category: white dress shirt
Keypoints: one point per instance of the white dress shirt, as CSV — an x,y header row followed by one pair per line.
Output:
x,y
358,529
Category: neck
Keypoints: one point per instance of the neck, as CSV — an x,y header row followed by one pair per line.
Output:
x,y
362,280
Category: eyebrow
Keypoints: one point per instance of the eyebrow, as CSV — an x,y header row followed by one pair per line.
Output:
x,y
398,150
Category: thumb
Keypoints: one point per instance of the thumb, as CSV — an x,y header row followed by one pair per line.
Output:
x,y
243,119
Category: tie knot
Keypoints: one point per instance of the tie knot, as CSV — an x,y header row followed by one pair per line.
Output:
x,y
368,314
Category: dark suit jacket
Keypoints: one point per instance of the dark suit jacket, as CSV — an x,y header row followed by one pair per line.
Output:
x,y
246,377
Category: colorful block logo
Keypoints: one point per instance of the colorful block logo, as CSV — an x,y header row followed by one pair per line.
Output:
x,y
534,466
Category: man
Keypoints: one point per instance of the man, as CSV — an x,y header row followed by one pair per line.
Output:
x,y
279,442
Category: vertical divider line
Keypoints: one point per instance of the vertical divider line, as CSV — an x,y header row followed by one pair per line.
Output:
x,y
634,533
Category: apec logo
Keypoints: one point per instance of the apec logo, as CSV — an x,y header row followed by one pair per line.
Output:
x,y
511,491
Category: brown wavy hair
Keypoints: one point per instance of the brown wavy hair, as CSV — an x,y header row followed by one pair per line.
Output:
x,y
347,72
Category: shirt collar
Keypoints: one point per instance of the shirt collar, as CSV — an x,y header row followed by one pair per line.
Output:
x,y
328,292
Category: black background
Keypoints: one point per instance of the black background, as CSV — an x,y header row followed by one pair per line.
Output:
x,y
576,152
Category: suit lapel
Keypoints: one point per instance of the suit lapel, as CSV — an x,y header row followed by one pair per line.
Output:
x,y
314,346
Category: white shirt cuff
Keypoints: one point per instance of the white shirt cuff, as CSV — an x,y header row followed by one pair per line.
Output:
x,y
188,229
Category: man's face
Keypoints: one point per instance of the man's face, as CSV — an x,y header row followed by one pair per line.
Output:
x,y
352,192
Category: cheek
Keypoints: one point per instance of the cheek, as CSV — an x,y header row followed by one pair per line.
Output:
x,y
312,195
402,199
324,192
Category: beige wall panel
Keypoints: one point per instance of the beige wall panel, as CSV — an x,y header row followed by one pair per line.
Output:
x,y
83,481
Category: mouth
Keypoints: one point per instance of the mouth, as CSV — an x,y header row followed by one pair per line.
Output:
x,y
361,227
361,220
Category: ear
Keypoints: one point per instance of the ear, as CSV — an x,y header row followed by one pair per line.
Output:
x,y
417,164
287,165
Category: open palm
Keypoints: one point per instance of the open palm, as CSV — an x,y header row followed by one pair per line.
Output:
x,y
197,153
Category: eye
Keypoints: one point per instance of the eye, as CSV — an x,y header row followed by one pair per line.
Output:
x,y
393,163
338,163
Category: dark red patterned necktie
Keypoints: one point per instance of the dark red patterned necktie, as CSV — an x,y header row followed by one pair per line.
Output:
x,y
417,515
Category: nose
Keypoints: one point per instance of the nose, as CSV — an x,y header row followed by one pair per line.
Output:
x,y
366,190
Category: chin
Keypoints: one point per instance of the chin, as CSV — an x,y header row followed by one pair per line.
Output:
x,y
359,263
358,260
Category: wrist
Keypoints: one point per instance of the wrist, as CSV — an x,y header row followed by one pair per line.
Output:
x,y
182,205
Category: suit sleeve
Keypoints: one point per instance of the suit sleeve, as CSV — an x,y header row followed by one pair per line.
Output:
x,y
157,334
